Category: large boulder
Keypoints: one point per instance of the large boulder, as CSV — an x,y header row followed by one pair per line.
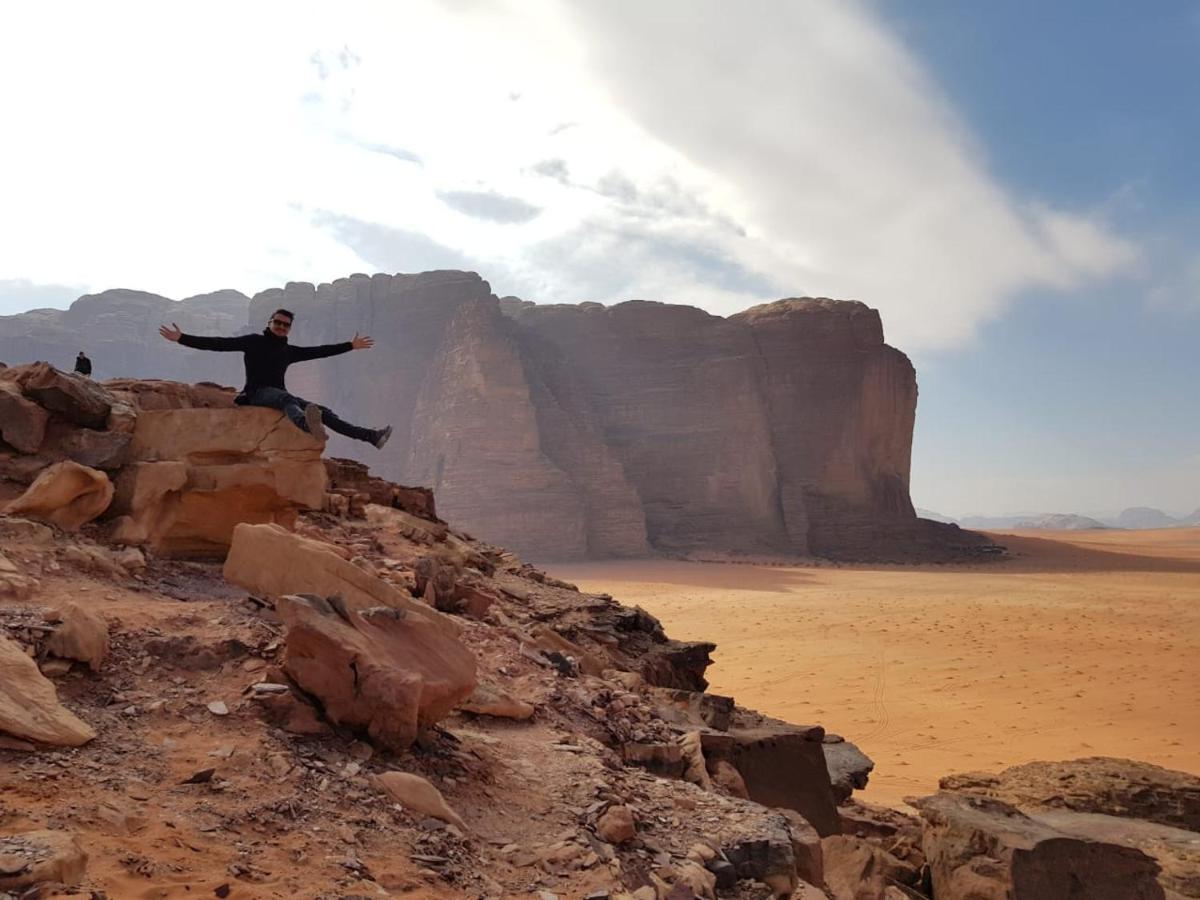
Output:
x,y
73,397
983,849
1176,850
1118,801
198,473
269,560
849,767
29,707
784,766
857,869
66,494
22,422
79,634
384,671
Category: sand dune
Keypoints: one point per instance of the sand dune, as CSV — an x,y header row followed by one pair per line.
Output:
x,y
1082,644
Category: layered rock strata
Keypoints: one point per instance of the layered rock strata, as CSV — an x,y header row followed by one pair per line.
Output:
x,y
572,431
173,466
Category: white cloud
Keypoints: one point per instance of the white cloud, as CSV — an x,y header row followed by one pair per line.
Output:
x,y
690,150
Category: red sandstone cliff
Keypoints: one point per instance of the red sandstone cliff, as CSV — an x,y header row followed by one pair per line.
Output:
x,y
570,431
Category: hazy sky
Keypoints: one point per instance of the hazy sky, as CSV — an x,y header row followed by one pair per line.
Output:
x,y
1014,185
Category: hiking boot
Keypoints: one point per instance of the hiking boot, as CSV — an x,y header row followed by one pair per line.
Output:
x,y
312,418
381,437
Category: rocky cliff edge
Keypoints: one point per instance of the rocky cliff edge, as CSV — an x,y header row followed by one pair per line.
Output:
x,y
357,699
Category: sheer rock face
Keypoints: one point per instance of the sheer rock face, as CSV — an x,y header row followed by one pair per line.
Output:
x,y
119,331
572,431
841,406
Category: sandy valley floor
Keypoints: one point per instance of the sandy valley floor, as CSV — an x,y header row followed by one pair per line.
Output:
x,y
1086,643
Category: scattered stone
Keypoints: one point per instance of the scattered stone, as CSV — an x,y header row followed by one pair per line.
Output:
x,y
54,668
617,825
131,559
416,793
80,635
218,708
204,776
490,701
37,857
267,687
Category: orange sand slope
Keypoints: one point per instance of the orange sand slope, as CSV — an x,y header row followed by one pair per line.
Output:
x,y
1083,644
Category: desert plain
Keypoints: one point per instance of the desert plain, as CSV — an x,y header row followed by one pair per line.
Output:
x,y
1078,644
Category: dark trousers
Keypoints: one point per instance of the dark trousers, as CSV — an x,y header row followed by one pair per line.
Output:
x,y
293,407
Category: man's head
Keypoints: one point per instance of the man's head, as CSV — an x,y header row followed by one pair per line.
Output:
x,y
280,322
81,353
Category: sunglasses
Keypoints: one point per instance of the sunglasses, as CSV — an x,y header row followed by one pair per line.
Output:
x,y
282,323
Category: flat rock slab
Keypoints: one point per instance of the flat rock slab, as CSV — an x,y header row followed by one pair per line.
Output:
x,y
980,849
1175,849
29,707
1097,784
268,559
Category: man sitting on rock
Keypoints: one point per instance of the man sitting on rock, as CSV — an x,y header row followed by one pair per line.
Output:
x,y
267,356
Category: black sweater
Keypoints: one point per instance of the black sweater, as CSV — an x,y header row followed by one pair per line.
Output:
x,y
266,356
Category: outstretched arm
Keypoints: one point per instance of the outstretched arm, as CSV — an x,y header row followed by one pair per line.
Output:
x,y
202,343
360,342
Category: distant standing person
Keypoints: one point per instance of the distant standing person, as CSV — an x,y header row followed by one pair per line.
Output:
x,y
83,365
267,356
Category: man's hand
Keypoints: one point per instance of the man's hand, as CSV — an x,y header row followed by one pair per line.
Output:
x,y
171,334
360,342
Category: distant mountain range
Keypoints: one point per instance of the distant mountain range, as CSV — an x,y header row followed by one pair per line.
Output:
x,y
1134,518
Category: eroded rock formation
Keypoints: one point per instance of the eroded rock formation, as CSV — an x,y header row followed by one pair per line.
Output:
x,y
172,466
571,431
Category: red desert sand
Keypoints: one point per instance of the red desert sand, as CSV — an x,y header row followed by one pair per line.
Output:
x,y
1081,644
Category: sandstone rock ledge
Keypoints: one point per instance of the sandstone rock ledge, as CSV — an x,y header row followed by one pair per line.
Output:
x,y
195,474
174,467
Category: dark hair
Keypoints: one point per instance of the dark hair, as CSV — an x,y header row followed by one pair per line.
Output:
x,y
284,312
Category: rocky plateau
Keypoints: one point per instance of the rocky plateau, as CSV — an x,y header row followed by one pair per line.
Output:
x,y
232,667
